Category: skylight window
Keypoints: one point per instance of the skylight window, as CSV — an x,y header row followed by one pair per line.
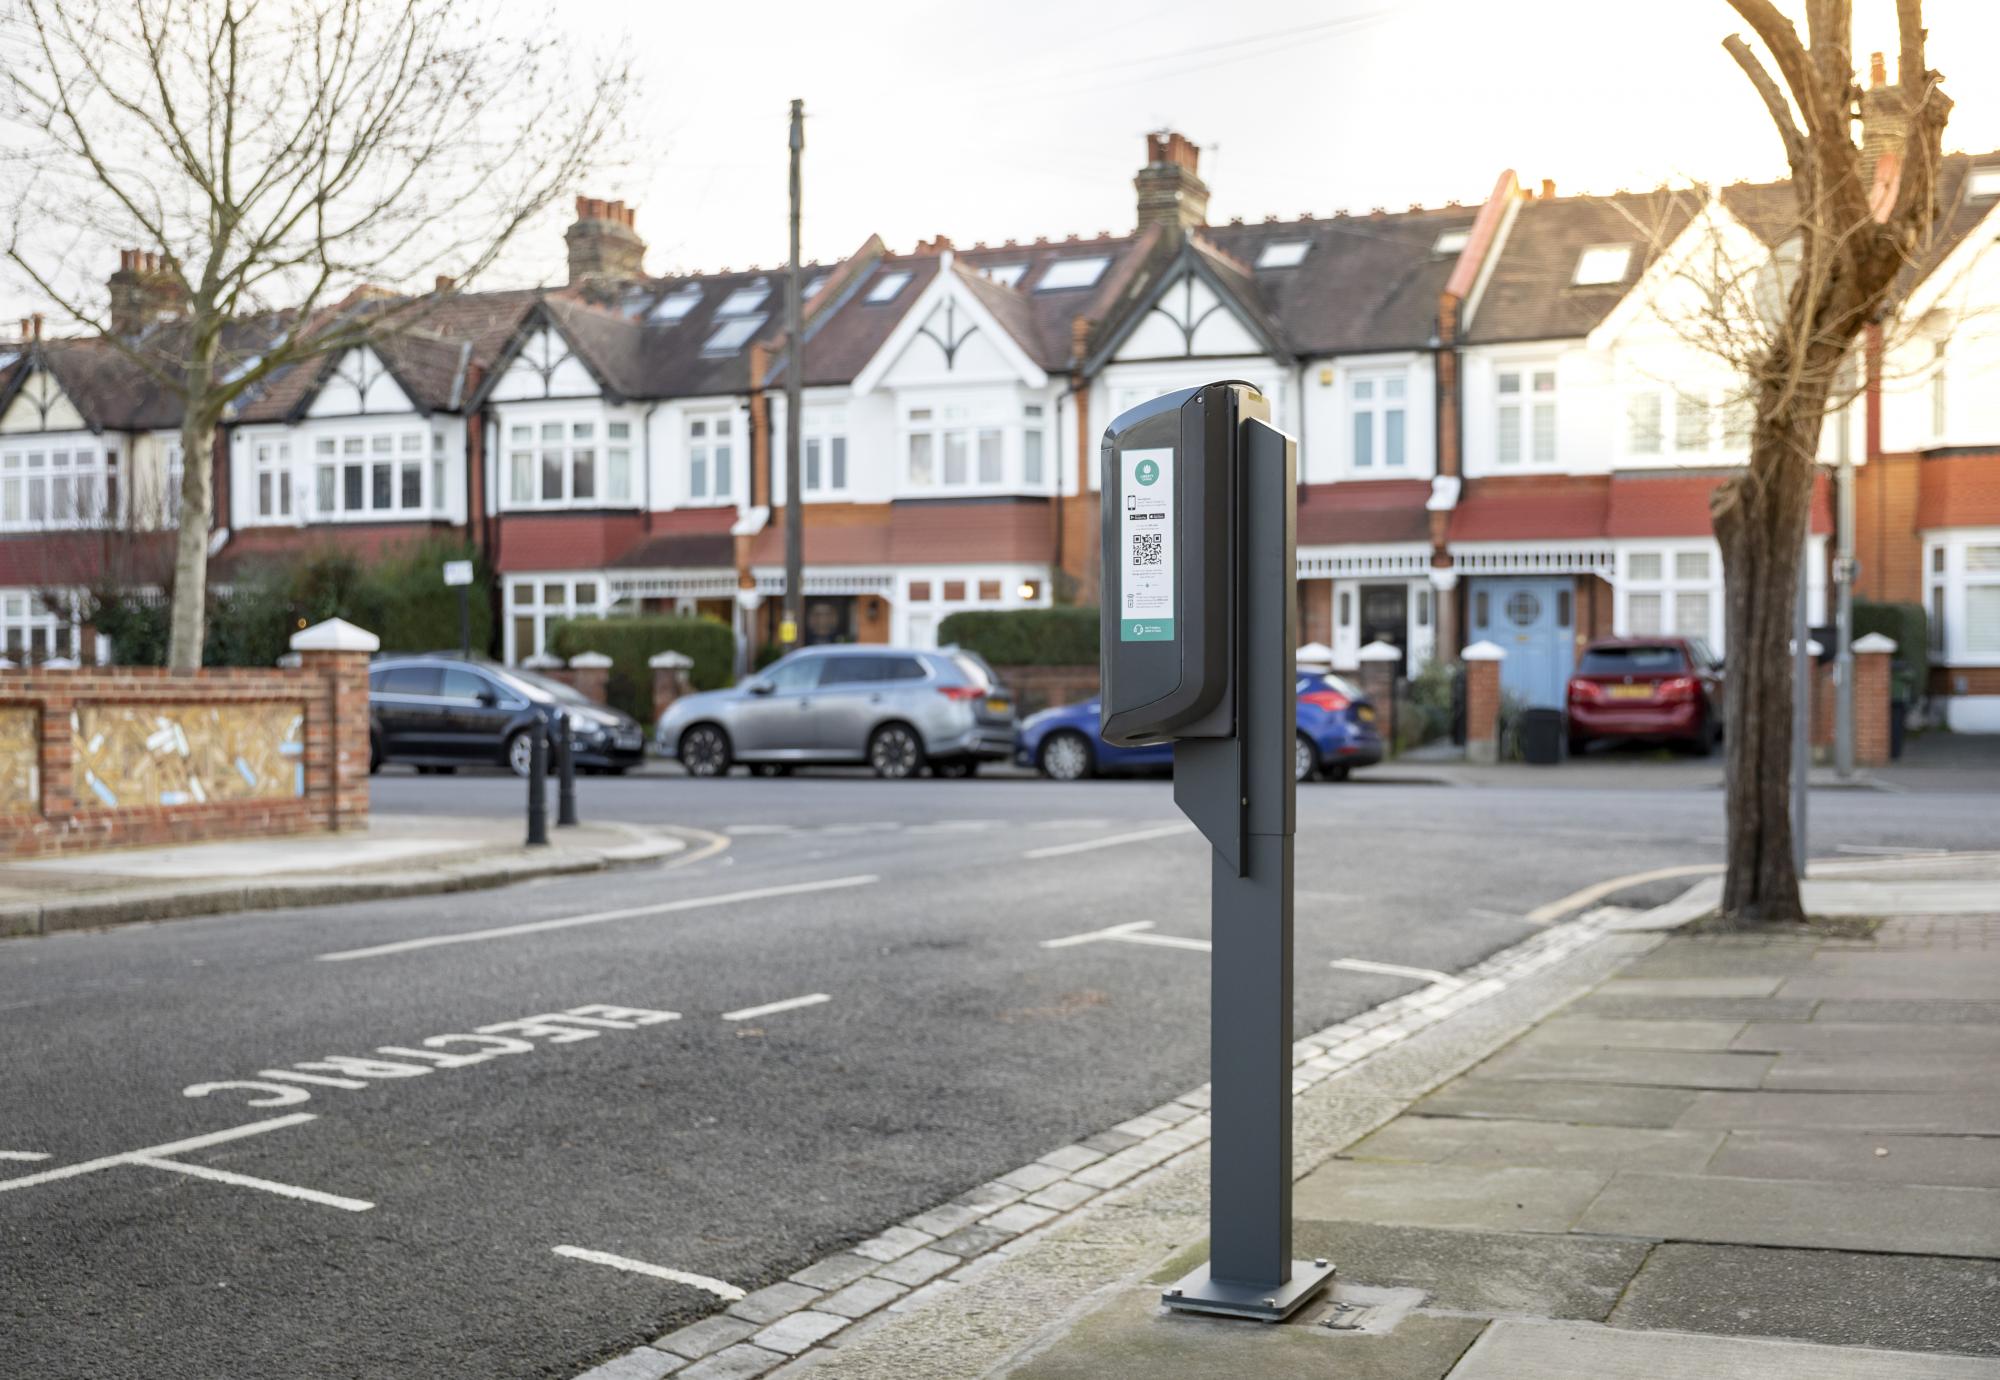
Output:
x,y
1283,253
675,305
1006,275
815,283
1606,263
1451,242
888,285
1072,273
744,300
1984,183
731,334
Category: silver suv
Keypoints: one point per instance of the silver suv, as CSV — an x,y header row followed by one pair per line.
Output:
x,y
896,709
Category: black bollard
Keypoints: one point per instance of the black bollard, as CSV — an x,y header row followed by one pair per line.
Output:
x,y
538,786
565,771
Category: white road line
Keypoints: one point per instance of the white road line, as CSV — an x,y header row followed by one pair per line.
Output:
x,y
24,1155
773,1007
1132,932
1577,900
224,1176
1365,965
179,1147
752,830
1901,852
722,1289
1063,849
762,893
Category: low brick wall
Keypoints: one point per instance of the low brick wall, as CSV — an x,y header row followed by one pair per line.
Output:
x,y
1042,687
117,756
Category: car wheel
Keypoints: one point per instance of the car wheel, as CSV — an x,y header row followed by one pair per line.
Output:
x,y
895,752
770,769
520,753
1305,758
1703,742
1065,757
705,751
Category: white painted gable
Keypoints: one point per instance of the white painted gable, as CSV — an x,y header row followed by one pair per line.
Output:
x,y
1189,319
41,405
950,346
545,368
360,385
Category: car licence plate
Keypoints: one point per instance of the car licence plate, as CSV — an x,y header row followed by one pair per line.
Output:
x,y
1365,714
1631,692
997,706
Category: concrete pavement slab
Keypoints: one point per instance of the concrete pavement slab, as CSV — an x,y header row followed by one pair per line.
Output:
x,y
1870,1037
1899,1011
1725,955
1515,1350
1912,1220
1591,1030
1549,1144
1947,1114
1593,1104
1473,1197
1839,1298
1949,1161
1135,1339
1853,1071
1659,1068
1637,1008
1520,1273
1901,896
1692,986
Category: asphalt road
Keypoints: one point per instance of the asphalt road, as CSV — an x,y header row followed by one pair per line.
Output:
x,y
951,1047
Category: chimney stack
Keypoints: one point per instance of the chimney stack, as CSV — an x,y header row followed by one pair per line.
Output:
x,y
1548,189
1171,193
143,291
602,243
1884,122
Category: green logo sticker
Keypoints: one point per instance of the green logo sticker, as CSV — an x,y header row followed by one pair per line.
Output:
x,y
1146,471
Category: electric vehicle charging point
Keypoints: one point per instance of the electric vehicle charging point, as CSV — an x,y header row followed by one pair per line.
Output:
x,y
1199,636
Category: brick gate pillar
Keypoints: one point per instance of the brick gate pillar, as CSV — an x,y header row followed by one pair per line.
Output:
x,y
338,652
590,675
1482,702
1378,683
1872,655
671,672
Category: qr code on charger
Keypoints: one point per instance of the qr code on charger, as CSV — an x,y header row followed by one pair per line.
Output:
x,y
1147,548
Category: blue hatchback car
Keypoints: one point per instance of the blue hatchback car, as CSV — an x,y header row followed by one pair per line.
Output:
x,y
1336,734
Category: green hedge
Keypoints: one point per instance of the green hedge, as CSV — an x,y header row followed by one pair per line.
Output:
x,y
401,597
1910,628
1025,637
631,642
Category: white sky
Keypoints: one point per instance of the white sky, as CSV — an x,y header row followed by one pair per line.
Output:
x,y
1027,119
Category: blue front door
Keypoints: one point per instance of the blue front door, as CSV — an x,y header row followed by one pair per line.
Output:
x,y
1533,621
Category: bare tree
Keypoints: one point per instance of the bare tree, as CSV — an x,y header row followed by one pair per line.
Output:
x,y
285,168
1859,226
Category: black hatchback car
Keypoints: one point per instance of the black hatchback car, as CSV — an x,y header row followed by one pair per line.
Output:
x,y
436,711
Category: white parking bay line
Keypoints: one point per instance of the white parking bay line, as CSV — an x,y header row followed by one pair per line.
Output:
x,y
177,1147
1087,845
772,1008
722,1289
1132,932
224,1176
24,1155
1364,965
762,893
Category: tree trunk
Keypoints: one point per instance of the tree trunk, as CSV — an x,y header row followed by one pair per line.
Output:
x,y
189,624
1760,523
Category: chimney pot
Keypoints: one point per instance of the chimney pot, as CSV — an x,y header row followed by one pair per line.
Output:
x,y
1548,189
603,243
36,319
1878,70
1170,188
444,283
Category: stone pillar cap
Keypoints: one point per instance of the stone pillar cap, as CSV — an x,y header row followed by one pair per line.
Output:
x,y
1314,654
542,661
668,661
584,661
1379,651
1874,644
1484,651
335,635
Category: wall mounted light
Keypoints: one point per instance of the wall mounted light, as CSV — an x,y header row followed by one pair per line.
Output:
x,y
1029,591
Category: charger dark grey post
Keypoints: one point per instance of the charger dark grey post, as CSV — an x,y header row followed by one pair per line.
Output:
x,y
538,785
1199,640
565,730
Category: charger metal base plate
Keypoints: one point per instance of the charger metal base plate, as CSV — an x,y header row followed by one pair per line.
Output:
x,y
1195,1292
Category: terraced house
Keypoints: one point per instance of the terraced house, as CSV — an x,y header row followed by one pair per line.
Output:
x,y
1505,432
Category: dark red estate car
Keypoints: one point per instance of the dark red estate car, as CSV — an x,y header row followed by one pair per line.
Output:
x,y
1667,689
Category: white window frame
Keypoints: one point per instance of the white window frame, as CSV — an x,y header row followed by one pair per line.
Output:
x,y
1949,578
962,436
526,443
1377,407
1526,402
1670,582
581,596
53,482
826,460
271,486
714,449
31,632
1725,416
406,446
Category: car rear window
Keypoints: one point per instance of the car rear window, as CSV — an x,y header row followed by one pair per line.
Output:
x,y
972,669
1319,680
902,668
1631,661
410,680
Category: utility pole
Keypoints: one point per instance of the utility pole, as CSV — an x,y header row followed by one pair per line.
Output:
x,y
795,365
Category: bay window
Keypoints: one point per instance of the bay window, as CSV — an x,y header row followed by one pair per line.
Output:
x,y
951,448
533,605
1670,593
1696,421
1962,578
568,463
373,474
57,484
30,631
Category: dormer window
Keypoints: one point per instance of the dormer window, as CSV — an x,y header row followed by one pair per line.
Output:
x,y
1072,273
1006,275
888,285
675,305
1983,184
1451,242
730,335
744,300
1603,264
1283,254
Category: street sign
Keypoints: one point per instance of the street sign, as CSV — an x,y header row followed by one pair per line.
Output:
x,y
458,572
1199,637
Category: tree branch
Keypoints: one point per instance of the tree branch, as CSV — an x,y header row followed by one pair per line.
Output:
x,y
1774,102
